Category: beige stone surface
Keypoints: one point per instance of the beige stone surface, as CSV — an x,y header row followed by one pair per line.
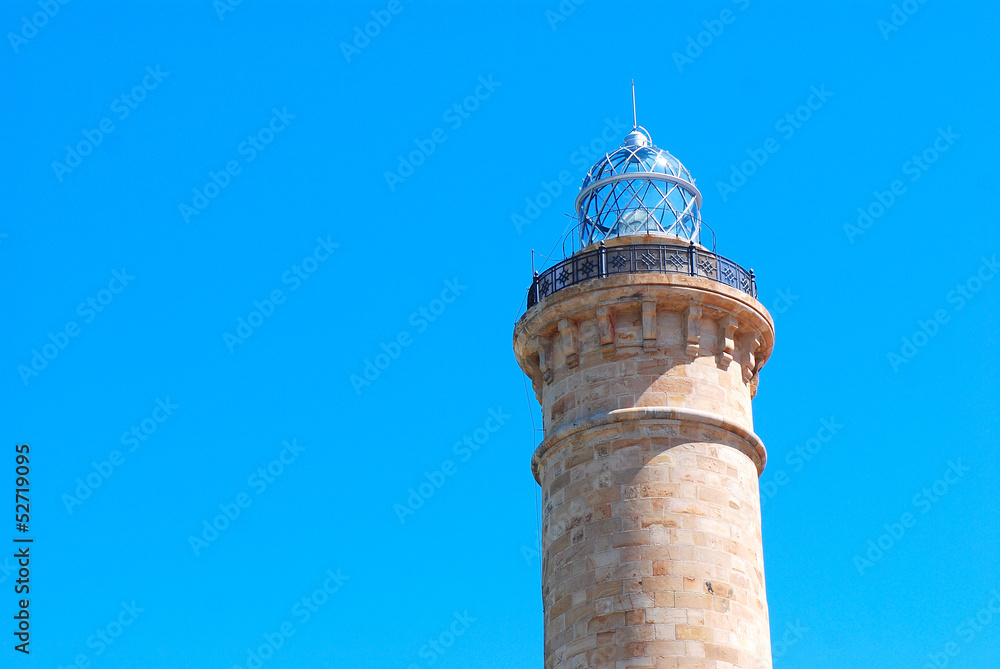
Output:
x,y
652,551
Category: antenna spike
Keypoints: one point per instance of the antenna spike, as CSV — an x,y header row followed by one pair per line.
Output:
x,y
635,123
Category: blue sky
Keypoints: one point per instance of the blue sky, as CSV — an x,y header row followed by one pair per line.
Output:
x,y
309,229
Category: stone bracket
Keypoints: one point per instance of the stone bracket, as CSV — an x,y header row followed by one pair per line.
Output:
x,y
648,325
727,340
538,345
568,334
692,337
606,328
751,367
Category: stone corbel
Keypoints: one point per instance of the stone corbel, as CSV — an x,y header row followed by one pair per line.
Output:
x,y
648,325
568,335
606,328
692,336
751,367
727,340
544,361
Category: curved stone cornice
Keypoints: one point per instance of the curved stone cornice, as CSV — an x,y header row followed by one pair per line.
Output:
x,y
676,288
637,415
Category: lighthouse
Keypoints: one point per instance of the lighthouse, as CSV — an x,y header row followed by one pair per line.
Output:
x,y
644,348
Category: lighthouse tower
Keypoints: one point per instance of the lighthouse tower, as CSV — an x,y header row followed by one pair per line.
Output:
x,y
644,349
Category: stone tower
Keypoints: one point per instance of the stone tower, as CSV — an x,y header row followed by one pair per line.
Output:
x,y
644,349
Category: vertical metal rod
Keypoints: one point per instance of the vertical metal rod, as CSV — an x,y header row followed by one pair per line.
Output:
x,y
602,265
635,122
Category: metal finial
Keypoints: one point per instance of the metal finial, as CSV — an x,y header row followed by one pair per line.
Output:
x,y
635,123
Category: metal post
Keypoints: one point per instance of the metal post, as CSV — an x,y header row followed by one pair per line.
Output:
x,y
691,258
603,261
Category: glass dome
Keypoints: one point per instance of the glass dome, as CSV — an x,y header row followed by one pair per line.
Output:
x,y
638,189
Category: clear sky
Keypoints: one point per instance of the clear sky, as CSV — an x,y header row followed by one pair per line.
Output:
x,y
171,168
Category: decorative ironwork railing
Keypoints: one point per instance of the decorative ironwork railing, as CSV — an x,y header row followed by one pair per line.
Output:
x,y
640,259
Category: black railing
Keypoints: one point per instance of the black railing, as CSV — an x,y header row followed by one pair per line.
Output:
x,y
640,259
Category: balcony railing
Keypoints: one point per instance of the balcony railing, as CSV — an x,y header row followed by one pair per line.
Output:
x,y
640,259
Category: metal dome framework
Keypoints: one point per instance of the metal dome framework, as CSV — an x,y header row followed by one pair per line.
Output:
x,y
638,189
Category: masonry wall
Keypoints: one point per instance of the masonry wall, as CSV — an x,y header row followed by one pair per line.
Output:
x,y
660,375
652,550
